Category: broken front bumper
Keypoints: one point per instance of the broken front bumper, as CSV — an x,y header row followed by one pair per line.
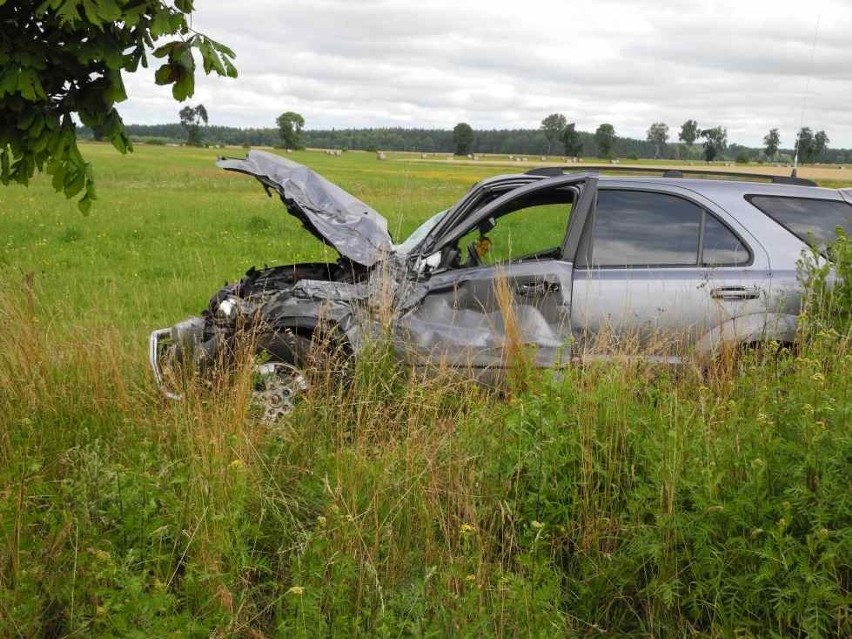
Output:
x,y
174,346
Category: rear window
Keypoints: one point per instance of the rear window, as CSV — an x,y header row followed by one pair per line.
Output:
x,y
813,221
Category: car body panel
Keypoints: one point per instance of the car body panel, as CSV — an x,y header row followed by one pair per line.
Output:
x,y
664,310
327,211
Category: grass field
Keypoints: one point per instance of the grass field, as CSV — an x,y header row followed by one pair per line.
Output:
x,y
613,501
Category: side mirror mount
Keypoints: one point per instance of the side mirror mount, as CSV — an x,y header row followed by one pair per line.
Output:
x,y
429,263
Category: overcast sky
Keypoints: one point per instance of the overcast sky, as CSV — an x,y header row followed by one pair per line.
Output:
x,y
748,65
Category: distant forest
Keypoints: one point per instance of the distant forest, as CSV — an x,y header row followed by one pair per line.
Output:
x,y
504,141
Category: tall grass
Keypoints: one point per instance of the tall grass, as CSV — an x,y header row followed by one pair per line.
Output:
x,y
613,500
616,499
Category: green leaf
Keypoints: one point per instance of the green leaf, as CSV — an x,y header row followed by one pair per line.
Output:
x,y
165,50
114,58
58,171
177,23
230,69
37,125
26,120
160,24
210,58
74,182
121,142
41,143
164,75
115,91
85,204
184,87
221,48
8,81
133,14
26,86
38,88
67,12
109,10
184,5
183,57
91,10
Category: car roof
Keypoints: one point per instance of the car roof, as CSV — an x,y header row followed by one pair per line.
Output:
x,y
727,187
706,186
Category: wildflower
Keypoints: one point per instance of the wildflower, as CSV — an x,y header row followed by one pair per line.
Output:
x,y
322,521
296,590
236,464
536,524
467,529
470,578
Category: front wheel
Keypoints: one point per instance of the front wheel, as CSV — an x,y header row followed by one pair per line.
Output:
x,y
277,388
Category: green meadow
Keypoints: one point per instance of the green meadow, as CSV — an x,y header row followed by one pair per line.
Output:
x,y
612,500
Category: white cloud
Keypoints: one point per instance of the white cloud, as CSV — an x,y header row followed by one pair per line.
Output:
x,y
743,65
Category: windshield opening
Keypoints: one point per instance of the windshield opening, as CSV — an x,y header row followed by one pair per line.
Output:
x,y
419,233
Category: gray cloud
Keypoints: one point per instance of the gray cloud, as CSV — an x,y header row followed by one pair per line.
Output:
x,y
742,65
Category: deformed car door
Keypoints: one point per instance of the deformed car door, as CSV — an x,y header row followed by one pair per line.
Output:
x,y
473,318
476,316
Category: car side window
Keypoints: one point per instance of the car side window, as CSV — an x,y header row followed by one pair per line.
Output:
x,y
641,228
533,232
812,220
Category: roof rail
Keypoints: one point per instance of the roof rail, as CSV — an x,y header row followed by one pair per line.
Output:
x,y
551,171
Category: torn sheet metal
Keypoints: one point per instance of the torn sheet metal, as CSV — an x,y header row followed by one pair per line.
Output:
x,y
334,216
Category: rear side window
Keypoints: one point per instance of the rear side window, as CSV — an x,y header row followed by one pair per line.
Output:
x,y
811,220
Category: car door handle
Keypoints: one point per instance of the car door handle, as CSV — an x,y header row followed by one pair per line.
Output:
x,y
734,293
536,288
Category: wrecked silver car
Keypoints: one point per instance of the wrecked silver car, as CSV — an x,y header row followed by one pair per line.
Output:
x,y
569,263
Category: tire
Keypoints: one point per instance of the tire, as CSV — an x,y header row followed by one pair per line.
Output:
x,y
277,389
279,377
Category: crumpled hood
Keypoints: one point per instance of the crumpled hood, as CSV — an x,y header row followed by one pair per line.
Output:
x,y
327,211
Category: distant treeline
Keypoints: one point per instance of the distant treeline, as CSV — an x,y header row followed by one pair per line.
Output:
x,y
504,141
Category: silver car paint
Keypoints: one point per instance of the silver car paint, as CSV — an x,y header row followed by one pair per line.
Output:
x,y
665,310
330,213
